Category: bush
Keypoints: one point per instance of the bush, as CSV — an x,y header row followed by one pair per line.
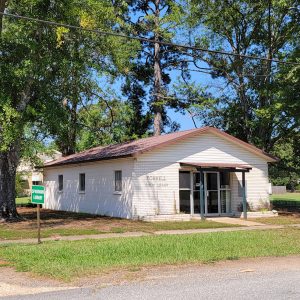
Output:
x,y
21,185
240,207
286,205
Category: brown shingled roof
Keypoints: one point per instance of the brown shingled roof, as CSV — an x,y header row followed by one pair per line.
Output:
x,y
137,147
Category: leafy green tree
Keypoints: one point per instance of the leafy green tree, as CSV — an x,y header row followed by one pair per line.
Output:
x,y
157,20
22,77
251,109
287,170
104,123
41,66
134,91
87,58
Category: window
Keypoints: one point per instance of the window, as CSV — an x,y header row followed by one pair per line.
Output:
x,y
185,192
184,180
82,182
60,182
118,181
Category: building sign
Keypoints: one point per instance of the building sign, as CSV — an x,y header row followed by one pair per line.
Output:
x,y
38,194
156,181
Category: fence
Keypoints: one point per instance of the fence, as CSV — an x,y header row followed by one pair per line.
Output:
x,y
279,189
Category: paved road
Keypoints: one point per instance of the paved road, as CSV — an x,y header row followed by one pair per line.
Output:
x,y
271,278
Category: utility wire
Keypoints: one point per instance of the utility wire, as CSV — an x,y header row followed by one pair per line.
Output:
x,y
142,39
210,71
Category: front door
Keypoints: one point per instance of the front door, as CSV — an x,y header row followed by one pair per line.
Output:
x,y
212,203
216,190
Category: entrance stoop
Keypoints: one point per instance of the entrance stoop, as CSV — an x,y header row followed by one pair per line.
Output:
x,y
166,218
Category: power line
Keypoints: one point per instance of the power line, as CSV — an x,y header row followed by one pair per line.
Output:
x,y
210,71
101,32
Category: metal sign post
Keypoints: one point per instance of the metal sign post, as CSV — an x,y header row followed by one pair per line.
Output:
x,y
39,222
38,197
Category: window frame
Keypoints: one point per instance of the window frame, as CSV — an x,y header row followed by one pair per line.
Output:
x,y
82,175
189,174
60,184
118,182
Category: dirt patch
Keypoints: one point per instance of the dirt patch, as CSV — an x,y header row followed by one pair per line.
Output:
x,y
10,276
66,220
4,263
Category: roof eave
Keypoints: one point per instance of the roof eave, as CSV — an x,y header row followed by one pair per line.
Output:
x,y
85,161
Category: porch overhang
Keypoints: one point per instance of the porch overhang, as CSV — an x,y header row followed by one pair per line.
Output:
x,y
229,167
219,167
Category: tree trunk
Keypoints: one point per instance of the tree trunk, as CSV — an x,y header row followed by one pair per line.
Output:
x,y
157,106
9,161
3,186
2,8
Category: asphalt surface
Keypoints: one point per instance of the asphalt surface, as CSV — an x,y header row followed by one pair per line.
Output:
x,y
266,278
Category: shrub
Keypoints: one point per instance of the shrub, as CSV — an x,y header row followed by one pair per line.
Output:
x,y
240,207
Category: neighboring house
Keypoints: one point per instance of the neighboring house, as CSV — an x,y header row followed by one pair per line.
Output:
x,y
30,175
160,177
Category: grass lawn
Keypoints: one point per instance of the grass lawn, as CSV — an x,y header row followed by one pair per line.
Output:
x,y
287,197
280,220
68,260
23,200
63,223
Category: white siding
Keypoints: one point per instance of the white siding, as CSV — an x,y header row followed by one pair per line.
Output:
x,y
151,195
162,197
151,180
99,197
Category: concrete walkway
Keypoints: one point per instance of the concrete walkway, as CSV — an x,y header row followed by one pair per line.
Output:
x,y
235,221
139,234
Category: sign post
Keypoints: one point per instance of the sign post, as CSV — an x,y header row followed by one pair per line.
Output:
x,y
38,197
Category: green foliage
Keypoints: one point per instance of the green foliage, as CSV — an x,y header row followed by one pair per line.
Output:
x,y
51,73
103,123
70,259
286,171
159,22
56,82
253,108
21,184
260,100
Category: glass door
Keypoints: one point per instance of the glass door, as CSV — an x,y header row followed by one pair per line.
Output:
x,y
225,193
212,203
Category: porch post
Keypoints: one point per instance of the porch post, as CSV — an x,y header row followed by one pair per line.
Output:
x,y
201,195
244,196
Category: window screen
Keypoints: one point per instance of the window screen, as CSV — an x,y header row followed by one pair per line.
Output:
x,y
118,181
82,182
60,182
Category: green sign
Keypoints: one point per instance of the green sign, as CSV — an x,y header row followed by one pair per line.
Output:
x,y
38,194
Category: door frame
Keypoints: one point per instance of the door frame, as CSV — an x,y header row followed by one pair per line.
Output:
x,y
206,193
